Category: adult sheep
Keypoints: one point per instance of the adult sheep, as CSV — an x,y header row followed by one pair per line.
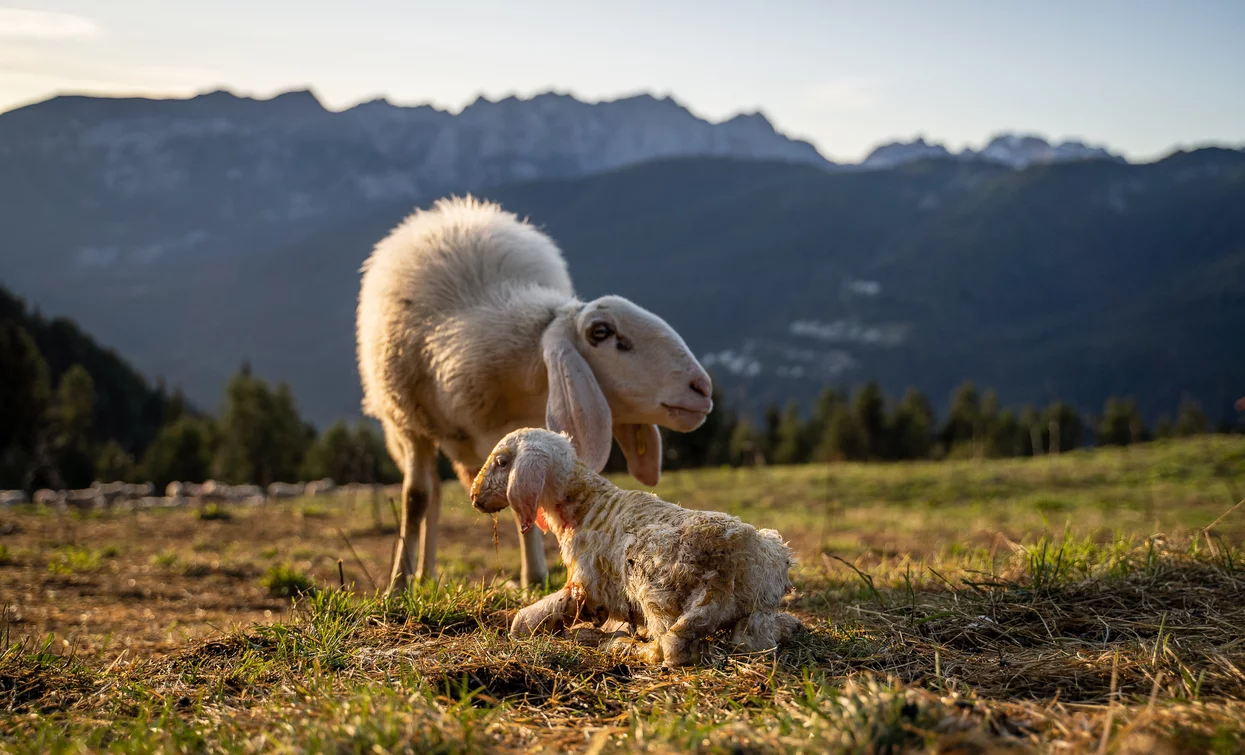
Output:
x,y
468,327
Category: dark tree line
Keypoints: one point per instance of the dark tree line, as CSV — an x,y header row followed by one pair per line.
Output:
x,y
867,425
49,438
67,425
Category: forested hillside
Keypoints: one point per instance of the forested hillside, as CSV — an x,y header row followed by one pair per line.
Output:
x,y
1071,282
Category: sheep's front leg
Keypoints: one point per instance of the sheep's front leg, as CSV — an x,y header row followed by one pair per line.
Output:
x,y
532,570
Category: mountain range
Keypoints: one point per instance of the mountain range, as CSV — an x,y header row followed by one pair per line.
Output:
x,y
194,234
1013,150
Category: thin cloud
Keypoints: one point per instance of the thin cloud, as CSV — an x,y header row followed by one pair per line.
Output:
x,y
848,93
21,23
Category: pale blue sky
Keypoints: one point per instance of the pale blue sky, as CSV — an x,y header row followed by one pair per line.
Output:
x,y
1141,76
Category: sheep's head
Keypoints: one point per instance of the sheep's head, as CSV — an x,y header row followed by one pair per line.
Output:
x,y
526,468
616,368
646,371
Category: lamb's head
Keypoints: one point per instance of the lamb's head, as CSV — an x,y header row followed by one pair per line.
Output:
x,y
617,368
527,467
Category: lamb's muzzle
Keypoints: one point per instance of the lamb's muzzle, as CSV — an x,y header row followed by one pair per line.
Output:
x,y
675,574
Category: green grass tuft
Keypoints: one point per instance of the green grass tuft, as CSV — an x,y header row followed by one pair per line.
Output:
x,y
73,560
214,513
166,559
285,581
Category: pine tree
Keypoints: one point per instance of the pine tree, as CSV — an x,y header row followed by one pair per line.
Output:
x,y
912,425
790,449
744,446
1032,431
1163,427
842,440
829,403
963,417
182,451
1190,419
1121,423
73,423
349,454
869,406
113,463
24,398
769,435
1006,436
988,438
1069,422
261,437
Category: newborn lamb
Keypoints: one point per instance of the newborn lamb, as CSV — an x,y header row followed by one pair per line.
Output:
x,y
676,574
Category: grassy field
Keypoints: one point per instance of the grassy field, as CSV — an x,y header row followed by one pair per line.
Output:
x,y
1092,602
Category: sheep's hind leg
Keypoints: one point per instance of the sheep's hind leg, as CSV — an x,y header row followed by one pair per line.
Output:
x,y
415,559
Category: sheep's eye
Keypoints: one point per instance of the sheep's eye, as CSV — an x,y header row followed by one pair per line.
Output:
x,y
599,332
624,344
501,461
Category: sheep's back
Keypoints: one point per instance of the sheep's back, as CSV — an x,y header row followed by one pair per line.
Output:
x,y
446,275
460,254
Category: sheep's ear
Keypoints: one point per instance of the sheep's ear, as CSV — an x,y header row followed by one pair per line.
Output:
x,y
527,485
641,444
576,405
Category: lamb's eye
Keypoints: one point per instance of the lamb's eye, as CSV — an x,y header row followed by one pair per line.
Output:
x,y
501,461
599,332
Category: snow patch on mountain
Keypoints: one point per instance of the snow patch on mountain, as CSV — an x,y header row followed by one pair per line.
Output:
x,y
1013,150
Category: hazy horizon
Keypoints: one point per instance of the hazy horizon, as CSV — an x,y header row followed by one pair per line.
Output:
x,y
1143,81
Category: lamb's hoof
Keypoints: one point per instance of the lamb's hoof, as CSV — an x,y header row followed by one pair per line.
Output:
x,y
618,626
679,651
790,627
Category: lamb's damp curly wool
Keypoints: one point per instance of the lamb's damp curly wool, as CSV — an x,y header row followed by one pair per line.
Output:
x,y
675,574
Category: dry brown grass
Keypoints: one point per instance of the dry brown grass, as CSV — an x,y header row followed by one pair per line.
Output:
x,y
156,632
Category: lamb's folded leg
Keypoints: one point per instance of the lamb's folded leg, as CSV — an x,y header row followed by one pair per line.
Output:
x,y
672,649
765,630
549,614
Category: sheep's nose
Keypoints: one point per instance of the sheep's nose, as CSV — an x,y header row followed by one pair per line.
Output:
x,y
701,387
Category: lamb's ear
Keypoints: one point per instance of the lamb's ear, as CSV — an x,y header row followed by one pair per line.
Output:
x,y
527,484
641,444
576,405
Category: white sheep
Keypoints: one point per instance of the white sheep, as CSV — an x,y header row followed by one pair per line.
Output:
x,y
48,496
246,492
85,499
280,490
468,327
13,497
213,491
320,487
676,574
